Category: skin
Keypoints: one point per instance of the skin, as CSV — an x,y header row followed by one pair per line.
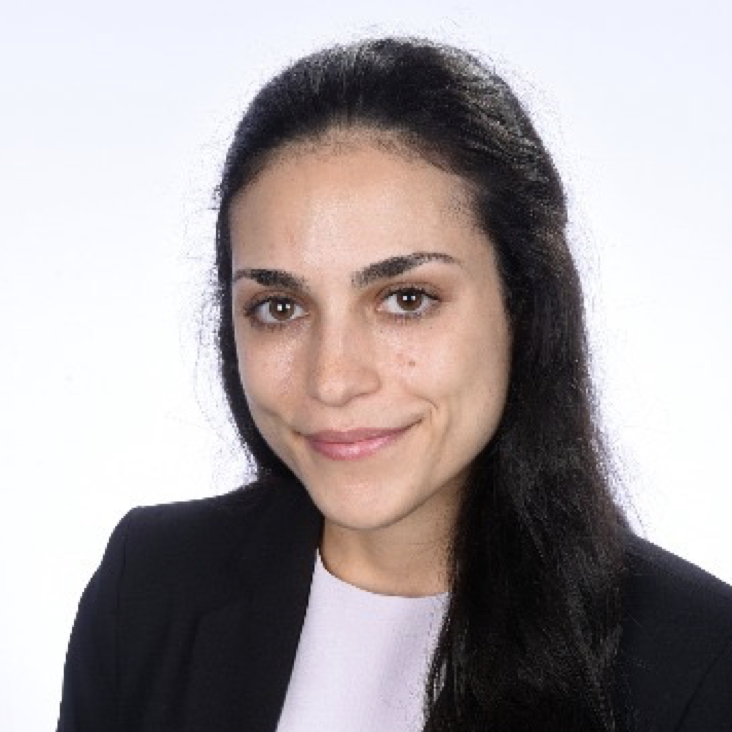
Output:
x,y
341,359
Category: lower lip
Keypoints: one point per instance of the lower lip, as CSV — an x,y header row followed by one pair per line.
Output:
x,y
355,450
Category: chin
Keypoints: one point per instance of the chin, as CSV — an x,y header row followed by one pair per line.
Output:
x,y
357,508
362,523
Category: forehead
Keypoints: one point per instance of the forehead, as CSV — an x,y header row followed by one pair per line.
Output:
x,y
349,194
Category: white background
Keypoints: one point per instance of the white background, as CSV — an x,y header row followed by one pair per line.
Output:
x,y
114,121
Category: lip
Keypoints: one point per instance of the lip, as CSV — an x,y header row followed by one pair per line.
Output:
x,y
353,444
355,435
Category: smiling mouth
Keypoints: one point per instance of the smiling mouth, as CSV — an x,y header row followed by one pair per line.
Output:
x,y
350,447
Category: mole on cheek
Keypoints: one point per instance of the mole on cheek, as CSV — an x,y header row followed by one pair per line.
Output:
x,y
405,361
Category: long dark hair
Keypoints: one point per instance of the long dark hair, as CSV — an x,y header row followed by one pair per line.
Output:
x,y
532,627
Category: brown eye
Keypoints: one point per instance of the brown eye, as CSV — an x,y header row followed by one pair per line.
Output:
x,y
410,302
272,312
280,309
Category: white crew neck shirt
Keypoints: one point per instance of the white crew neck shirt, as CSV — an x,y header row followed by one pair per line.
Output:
x,y
362,659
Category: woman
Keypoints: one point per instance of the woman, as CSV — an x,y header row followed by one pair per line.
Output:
x,y
431,541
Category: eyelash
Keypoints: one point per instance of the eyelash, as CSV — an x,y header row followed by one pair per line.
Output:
x,y
250,310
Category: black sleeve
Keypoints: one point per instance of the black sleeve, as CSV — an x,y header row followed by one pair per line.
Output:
x,y
89,698
710,708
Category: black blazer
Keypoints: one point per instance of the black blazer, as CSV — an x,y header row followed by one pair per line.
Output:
x,y
191,623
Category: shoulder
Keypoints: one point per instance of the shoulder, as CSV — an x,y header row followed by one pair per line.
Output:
x,y
195,548
208,521
167,575
665,593
663,585
676,642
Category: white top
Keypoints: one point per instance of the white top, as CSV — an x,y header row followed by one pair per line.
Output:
x,y
362,659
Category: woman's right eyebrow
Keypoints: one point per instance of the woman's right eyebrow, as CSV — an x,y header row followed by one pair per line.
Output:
x,y
382,270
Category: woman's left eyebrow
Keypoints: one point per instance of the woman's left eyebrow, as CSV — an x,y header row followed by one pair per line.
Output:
x,y
382,270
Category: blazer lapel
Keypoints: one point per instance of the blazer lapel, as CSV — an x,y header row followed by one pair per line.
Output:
x,y
243,652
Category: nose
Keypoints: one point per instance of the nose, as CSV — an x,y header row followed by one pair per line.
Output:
x,y
341,363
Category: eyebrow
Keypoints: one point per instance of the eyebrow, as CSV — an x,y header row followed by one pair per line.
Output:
x,y
385,269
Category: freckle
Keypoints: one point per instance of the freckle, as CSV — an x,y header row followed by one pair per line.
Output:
x,y
412,363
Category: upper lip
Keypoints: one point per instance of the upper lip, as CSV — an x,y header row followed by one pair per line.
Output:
x,y
355,435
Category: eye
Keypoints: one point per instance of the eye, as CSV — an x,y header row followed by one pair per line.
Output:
x,y
272,312
279,311
412,302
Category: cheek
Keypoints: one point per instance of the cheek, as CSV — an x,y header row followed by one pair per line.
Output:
x,y
266,370
407,363
461,371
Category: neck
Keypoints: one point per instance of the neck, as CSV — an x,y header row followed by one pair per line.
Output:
x,y
387,561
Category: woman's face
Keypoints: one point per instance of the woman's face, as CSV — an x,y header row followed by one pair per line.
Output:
x,y
365,297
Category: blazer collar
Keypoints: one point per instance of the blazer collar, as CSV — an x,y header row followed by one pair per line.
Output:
x,y
244,651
